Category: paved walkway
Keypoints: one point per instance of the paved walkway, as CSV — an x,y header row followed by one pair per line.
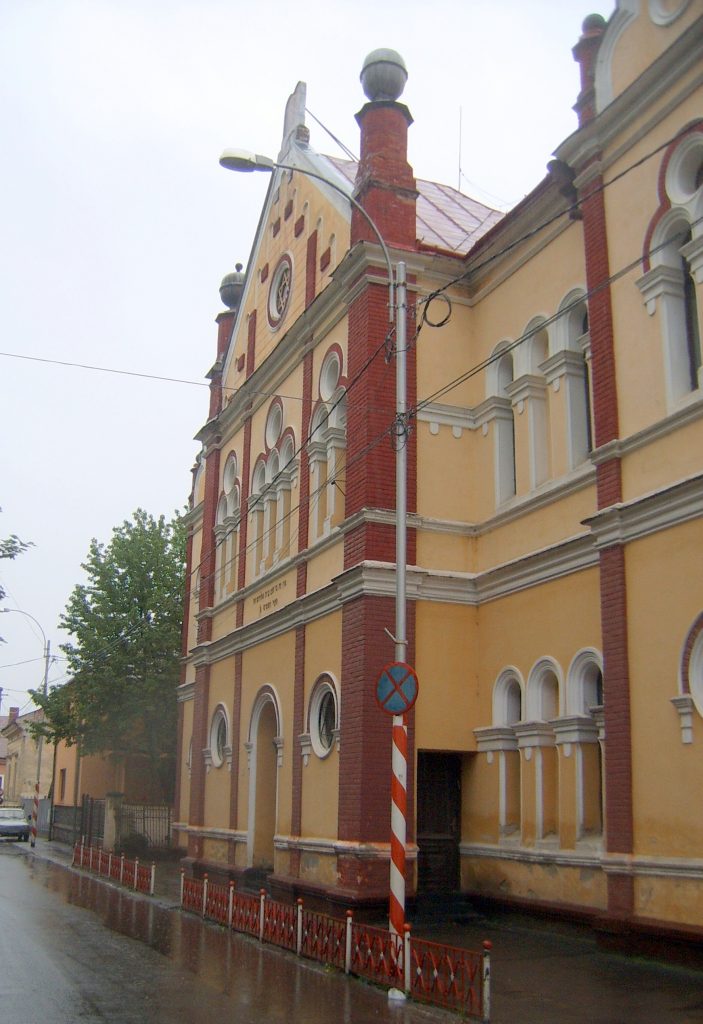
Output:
x,y
541,973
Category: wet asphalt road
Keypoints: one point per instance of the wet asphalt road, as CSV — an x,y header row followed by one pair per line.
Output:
x,y
130,960
135,959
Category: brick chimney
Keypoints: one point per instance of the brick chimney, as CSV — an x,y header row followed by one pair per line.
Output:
x,y
385,183
585,53
14,713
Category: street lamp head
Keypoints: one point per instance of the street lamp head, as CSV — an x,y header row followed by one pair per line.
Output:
x,y
244,160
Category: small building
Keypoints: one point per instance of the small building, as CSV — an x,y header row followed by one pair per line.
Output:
x,y
23,757
554,441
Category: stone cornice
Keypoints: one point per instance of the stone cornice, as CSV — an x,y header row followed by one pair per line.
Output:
x,y
185,692
618,524
531,855
660,510
689,411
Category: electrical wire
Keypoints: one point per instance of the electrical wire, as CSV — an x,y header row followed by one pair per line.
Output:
x,y
473,371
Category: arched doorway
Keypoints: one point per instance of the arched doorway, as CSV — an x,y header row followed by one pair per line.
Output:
x,y
264,756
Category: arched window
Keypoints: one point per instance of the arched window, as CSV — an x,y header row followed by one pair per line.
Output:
x,y
327,448
580,735
504,430
568,372
273,479
674,246
531,395
256,511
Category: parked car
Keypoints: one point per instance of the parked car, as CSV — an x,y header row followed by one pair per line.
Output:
x,y
14,824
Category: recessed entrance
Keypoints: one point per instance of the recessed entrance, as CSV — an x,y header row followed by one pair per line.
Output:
x,y
263,783
438,821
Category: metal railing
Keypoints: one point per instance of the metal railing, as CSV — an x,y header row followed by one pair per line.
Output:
x,y
130,873
456,979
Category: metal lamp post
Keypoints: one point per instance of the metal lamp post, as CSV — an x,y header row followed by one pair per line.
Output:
x,y
244,161
40,739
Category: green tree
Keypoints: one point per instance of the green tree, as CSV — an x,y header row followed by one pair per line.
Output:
x,y
11,547
124,660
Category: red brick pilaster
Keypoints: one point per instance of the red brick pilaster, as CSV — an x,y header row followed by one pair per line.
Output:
x,y
304,503
187,590
365,743
370,474
207,550
197,770
613,578
298,728
237,741
179,762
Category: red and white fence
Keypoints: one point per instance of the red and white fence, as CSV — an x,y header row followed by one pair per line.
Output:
x,y
457,979
130,873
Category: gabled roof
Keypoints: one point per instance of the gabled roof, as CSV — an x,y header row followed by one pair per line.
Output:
x,y
446,218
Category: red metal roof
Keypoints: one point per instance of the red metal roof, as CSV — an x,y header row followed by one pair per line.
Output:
x,y
446,218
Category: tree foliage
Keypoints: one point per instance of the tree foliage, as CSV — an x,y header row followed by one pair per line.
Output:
x,y
11,547
125,657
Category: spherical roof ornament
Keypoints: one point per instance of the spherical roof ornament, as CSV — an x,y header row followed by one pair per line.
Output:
x,y
594,23
383,75
232,287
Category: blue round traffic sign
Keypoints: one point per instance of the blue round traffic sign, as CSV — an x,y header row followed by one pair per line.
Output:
x,y
397,688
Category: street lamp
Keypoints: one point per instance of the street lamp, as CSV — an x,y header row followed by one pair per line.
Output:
x,y
40,738
244,161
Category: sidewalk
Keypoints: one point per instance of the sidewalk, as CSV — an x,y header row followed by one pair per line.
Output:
x,y
542,972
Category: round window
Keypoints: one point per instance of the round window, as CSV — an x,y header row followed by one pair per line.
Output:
x,y
218,737
279,292
323,719
695,673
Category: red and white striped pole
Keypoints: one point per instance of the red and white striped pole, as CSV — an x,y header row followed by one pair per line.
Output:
x,y
399,796
35,812
399,809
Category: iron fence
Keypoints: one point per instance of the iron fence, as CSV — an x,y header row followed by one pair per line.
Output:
x,y
456,979
127,872
151,822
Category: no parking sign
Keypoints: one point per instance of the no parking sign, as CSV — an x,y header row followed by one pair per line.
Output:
x,y
397,688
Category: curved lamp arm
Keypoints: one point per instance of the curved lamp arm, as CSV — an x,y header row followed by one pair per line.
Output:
x,y
243,160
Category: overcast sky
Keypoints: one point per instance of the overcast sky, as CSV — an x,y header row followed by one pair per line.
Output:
x,y
118,224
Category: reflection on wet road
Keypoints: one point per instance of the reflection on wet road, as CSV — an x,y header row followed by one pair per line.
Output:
x,y
130,960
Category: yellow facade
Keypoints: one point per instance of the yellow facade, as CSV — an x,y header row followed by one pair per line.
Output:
x,y
555,495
